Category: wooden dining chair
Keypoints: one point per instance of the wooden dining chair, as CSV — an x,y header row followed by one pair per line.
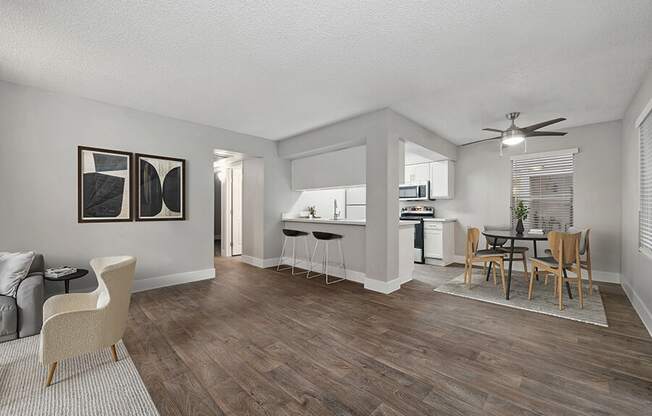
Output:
x,y
565,251
585,250
473,255
520,251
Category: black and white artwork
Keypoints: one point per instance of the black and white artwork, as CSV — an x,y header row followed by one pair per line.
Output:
x,y
161,188
104,185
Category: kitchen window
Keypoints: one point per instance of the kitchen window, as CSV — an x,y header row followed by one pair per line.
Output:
x,y
544,182
645,166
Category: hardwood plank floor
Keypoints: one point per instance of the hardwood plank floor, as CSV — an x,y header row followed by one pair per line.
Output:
x,y
259,342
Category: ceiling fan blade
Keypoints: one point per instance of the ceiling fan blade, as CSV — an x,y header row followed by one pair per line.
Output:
x,y
495,130
483,140
545,133
542,124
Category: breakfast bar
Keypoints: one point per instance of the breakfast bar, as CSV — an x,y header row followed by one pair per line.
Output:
x,y
353,234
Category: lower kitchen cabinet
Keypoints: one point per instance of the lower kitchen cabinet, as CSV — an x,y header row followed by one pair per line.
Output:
x,y
439,242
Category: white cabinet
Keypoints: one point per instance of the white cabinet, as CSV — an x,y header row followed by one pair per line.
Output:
x,y
417,173
442,179
441,175
439,242
433,242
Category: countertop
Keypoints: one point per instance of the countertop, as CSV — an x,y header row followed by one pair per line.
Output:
x,y
340,222
440,219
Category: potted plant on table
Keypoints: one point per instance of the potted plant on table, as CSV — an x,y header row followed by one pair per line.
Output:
x,y
520,212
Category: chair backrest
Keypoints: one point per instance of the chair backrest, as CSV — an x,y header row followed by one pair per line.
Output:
x,y
499,241
564,246
115,276
584,240
472,238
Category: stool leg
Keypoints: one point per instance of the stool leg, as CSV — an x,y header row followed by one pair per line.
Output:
x,y
314,252
280,259
326,261
308,258
342,264
294,257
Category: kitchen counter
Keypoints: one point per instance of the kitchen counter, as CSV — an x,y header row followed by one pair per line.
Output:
x,y
343,221
354,241
440,219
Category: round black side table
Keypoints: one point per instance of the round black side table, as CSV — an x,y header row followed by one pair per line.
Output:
x,y
67,278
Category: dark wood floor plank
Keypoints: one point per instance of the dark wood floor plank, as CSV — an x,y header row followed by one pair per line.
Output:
x,y
258,342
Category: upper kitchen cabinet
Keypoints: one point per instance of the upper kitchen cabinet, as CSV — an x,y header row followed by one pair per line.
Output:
x,y
442,179
417,173
338,169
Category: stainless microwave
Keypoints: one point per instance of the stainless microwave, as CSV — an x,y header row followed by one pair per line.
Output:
x,y
414,191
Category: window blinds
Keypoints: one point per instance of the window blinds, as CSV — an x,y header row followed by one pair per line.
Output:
x,y
645,213
545,185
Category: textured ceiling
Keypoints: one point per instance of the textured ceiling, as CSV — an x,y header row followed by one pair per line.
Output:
x,y
275,68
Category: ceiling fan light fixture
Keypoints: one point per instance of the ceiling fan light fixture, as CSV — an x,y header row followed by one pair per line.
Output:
x,y
513,139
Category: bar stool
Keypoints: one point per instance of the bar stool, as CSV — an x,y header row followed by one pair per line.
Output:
x,y
326,238
294,235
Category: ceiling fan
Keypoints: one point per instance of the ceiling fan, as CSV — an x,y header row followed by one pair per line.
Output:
x,y
515,135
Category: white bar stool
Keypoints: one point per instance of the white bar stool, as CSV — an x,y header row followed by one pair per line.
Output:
x,y
294,235
326,238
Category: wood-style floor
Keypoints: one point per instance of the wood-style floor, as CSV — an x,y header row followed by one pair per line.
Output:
x,y
258,342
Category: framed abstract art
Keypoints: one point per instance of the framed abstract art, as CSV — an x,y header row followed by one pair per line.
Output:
x,y
104,180
160,188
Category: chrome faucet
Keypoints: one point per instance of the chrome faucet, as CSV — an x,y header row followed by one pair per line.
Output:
x,y
336,212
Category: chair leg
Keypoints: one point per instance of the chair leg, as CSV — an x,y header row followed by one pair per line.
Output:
x,y
502,277
51,370
559,281
588,268
580,288
467,273
494,275
529,292
525,266
114,352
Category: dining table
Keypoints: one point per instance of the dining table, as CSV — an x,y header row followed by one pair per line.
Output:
x,y
512,236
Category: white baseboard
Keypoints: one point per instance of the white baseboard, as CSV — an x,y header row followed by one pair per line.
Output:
x,y
639,306
598,275
385,287
258,262
172,279
333,270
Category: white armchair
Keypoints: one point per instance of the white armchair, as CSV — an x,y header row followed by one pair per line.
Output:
x,y
78,323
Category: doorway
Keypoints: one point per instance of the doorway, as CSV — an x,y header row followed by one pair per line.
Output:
x,y
228,173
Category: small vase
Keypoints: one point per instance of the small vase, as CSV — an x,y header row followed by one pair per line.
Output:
x,y
519,227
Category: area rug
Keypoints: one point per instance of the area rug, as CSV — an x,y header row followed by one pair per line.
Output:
x,y
92,384
543,300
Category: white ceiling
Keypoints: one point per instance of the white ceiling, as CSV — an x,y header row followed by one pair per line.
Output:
x,y
275,68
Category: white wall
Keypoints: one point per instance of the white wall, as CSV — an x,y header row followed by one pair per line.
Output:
x,y
482,188
340,168
39,135
636,267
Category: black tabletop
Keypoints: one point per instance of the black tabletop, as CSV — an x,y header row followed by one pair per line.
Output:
x,y
79,273
513,235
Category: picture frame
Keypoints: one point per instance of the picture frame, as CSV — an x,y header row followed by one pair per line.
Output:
x,y
104,185
160,188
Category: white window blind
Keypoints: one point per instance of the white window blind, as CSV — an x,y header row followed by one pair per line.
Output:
x,y
545,185
645,212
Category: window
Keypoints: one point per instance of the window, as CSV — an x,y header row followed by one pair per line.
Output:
x,y
645,211
544,182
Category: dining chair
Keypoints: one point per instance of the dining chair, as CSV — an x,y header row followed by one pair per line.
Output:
x,y
500,245
473,255
565,251
585,250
